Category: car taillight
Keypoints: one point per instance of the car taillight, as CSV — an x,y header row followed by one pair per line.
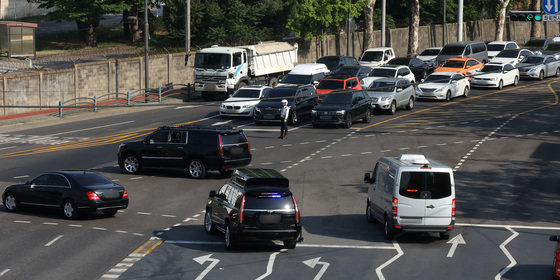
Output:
x,y
557,267
241,210
297,209
248,144
453,209
91,195
221,146
125,194
395,206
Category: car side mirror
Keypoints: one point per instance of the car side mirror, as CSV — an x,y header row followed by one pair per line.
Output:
x,y
554,238
212,194
315,83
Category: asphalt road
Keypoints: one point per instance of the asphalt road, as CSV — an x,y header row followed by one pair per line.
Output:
x,y
503,145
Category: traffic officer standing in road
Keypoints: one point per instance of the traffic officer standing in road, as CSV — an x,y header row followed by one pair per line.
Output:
x,y
284,113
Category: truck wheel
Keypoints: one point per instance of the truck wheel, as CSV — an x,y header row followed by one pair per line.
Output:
x,y
273,82
241,85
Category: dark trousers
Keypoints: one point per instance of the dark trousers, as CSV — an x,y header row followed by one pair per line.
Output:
x,y
283,128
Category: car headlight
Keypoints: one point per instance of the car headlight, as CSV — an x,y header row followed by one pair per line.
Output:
x,y
313,112
245,106
341,112
532,70
385,98
223,106
374,99
494,78
438,90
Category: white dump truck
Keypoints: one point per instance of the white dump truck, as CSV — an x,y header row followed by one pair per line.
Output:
x,y
220,71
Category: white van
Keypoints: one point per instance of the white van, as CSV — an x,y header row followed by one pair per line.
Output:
x,y
411,193
305,74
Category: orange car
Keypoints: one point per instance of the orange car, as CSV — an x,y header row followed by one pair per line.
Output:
x,y
465,66
331,83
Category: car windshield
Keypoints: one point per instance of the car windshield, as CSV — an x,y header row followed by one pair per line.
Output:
x,y
491,68
535,43
533,60
437,79
508,53
91,179
452,50
552,47
383,72
247,93
330,61
495,47
454,64
344,98
425,185
212,60
429,52
297,79
330,84
372,56
382,86
281,92
399,61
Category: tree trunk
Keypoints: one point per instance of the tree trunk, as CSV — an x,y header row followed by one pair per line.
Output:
x,y
135,31
87,32
501,19
536,25
126,24
414,27
368,28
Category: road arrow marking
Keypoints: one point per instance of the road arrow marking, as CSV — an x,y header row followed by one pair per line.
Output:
x,y
458,239
201,260
270,265
313,262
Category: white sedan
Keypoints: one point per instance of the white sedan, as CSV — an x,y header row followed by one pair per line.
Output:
x,y
243,101
443,86
496,75
388,71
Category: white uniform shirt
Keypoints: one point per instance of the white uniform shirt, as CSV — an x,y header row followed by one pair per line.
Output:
x,y
284,112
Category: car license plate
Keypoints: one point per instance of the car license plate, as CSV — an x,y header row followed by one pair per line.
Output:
x,y
522,73
269,219
268,117
325,117
236,150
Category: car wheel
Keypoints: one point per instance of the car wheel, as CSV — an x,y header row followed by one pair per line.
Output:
x,y
69,209
110,212
208,225
500,84
515,81
348,121
367,117
369,215
290,244
466,92
196,169
410,104
557,72
444,235
448,96
10,202
293,118
131,164
393,108
389,233
541,75
230,243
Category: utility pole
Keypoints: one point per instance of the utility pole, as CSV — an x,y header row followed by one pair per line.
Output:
x,y
444,23
383,8
460,22
187,30
146,51
348,29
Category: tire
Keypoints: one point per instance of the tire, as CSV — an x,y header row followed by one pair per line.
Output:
x,y
208,224
466,92
448,96
444,235
196,169
557,72
290,244
241,85
393,109
229,239
388,231
293,118
110,212
410,104
273,82
348,121
541,75
69,209
500,84
10,202
369,215
367,117
131,164
515,81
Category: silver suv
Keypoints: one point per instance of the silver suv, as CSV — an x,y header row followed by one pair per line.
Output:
x,y
388,94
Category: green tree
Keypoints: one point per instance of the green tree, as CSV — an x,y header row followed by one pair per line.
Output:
x,y
86,13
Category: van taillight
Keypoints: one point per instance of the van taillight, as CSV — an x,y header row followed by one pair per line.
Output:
x,y
241,210
221,145
453,209
395,206
297,209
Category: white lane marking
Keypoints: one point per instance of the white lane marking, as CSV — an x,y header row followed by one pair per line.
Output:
x,y
143,213
221,123
245,124
197,215
22,222
135,178
189,219
73,225
192,242
455,241
115,180
326,157
201,260
512,261
507,226
286,161
176,225
287,145
320,141
261,129
346,246
304,143
394,258
402,149
5,148
422,146
53,241
459,142
52,224
269,147
365,153
313,262
99,228
138,234
266,163
90,128
441,144
121,231
21,177
386,151
346,155
169,216
4,272
298,127
270,264
188,107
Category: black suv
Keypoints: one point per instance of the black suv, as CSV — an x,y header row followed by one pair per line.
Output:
x,y
256,204
196,148
301,100
334,62
343,107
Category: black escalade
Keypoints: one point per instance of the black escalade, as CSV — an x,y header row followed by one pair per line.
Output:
x,y
256,204
301,99
343,107
195,148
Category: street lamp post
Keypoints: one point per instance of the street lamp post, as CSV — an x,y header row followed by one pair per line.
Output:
x,y
146,51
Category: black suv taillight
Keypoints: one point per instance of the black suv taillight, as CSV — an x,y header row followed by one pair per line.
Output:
x,y
297,209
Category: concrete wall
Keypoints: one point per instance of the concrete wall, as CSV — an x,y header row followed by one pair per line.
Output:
x,y
12,9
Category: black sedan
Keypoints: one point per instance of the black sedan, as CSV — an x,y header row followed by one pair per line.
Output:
x,y
301,99
417,66
344,108
71,191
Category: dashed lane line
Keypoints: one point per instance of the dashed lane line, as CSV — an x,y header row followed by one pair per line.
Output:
x,y
89,128
4,272
53,241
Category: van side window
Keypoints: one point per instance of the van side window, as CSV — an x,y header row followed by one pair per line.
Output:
x,y
425,185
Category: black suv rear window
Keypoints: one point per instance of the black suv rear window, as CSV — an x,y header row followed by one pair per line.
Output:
x,y
233,138
269,201
425,185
